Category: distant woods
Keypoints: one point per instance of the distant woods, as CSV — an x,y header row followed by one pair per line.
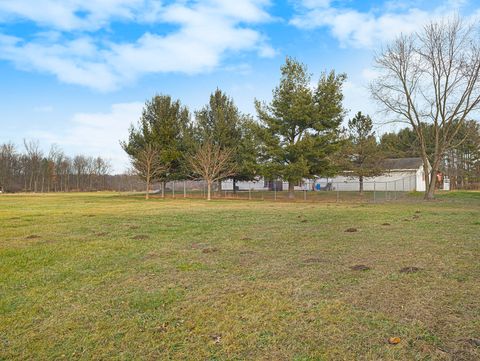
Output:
x,y
29,169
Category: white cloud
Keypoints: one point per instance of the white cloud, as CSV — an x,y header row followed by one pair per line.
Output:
x,y
70,15
96,134
208,31
367,29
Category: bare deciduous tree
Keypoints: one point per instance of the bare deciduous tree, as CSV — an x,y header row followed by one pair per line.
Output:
x,y
34,158
212,163
8,165
432,77
148,165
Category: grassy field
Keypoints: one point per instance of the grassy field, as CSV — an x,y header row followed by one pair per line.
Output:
x,y
110,276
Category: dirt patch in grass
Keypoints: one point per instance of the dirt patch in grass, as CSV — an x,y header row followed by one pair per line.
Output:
x,y
140,237
351,230
216,339
151,255
360,267
474,342
32,236
210,250
162,328
386,224
101,234
90,215
410,269
313,260
247,253
133,226
246,239
198,245
303,221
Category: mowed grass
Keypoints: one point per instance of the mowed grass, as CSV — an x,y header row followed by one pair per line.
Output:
x,y
105,276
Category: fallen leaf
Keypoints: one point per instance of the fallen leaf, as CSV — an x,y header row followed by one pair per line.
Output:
x,y
394,340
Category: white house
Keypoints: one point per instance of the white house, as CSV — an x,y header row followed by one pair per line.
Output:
x,y
402,174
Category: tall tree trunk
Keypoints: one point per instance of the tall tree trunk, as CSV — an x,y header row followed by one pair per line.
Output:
x,y
234,186
209,189
430,191
163,189
291,190
426,176
360,180
147,196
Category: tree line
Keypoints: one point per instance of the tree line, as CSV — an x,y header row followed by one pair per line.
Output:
x,y
32,170
294,138
298,135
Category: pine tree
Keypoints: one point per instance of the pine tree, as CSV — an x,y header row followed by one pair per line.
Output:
x,y
165,125
363,154
300,127
222,124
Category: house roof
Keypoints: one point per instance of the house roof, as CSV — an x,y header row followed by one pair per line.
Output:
x,y
402,163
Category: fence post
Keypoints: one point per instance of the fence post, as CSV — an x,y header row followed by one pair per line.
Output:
x,y
184,189
173,190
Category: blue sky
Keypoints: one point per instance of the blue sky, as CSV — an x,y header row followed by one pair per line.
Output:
x,y
77,72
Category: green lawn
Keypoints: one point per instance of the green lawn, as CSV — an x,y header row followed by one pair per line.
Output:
x,y
111,276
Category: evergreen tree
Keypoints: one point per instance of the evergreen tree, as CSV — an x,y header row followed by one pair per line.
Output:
x,y
221,124
300,127
165,125
363,154
404,143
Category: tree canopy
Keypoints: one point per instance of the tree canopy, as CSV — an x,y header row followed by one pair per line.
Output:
x,y
165,124
300,127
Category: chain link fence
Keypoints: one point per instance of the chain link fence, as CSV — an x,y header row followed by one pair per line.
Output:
x,y
312,191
